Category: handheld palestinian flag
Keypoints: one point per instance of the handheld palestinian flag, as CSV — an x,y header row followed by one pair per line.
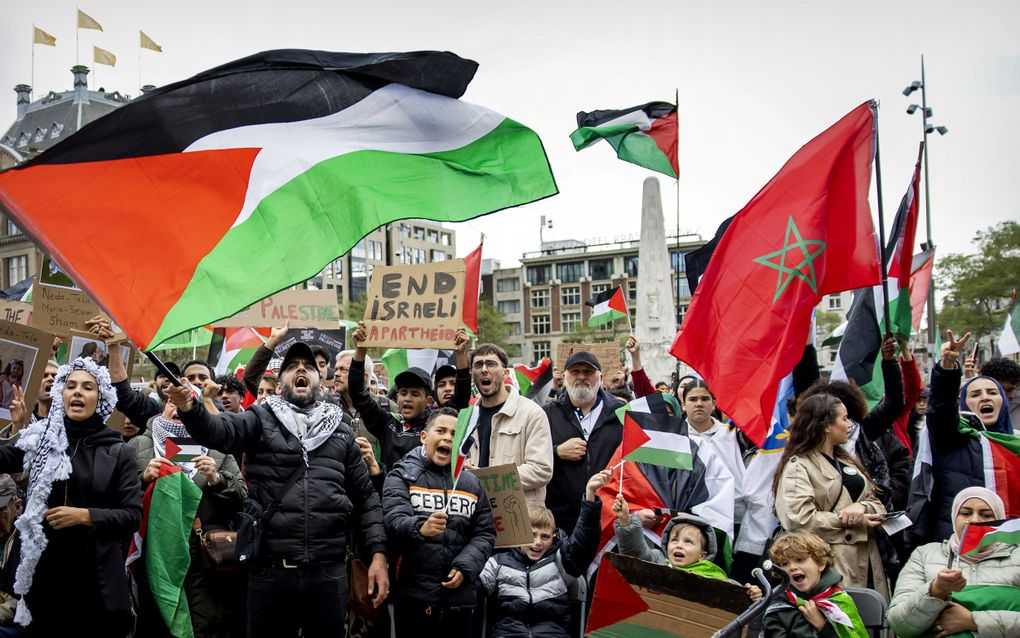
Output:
x,y
535,383
168,511
472,286
1009,339
607,307
285,157
646,135
467,423
1000,454
661,445
649,403
978,535
230,348
839,610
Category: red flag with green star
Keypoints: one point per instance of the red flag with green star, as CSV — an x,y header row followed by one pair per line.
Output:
x,y
806,234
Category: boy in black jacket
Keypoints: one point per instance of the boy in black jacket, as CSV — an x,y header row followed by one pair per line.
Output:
x,y
441,537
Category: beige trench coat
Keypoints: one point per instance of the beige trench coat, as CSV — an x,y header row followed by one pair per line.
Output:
x,y
809,496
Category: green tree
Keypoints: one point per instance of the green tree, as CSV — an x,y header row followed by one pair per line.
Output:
x,y
491,326
977,287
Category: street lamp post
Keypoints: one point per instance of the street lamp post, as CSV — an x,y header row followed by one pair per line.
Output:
x,y
926,128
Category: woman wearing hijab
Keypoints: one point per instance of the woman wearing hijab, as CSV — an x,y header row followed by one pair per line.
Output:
x,y
823,489
82,505
957,459
941,592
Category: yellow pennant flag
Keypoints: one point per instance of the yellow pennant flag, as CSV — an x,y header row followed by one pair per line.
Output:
x,y
41,37
85,21
102,56
147,43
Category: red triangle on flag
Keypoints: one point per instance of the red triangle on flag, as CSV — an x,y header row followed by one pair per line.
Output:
x,y
615,600
618,302
634,435
172,449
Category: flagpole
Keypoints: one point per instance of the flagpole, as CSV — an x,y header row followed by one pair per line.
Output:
x,y
77,32
676,266
31,76
881,227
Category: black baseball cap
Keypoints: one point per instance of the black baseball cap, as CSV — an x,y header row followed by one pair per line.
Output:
x,y
299,350
585,357
444,371
413,378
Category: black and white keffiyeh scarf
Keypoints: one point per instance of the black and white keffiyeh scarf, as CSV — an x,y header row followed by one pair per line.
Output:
x,y
312,427
46,462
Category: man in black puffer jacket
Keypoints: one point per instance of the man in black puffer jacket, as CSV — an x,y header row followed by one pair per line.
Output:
x,y
442,536
299,578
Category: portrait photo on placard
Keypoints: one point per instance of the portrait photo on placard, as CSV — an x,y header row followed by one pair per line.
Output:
x,y
17,361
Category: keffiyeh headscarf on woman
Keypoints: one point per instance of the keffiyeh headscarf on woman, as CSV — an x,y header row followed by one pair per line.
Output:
x,y
46,462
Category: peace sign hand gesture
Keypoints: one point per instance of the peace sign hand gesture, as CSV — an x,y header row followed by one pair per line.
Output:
x,y
951,350
19,414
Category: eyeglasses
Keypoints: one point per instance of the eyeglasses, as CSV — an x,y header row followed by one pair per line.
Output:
x,y
488,364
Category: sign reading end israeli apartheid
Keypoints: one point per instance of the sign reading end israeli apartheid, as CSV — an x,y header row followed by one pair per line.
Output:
x,y
502,485
302,308
416,306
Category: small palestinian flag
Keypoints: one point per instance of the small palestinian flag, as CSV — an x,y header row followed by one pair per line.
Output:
x,y
663,447
270,166
181,449
535,383
978,535
645,135
607,307
467,423
649,403
1009,340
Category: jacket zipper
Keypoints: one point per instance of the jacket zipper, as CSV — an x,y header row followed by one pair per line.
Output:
x,y
305,482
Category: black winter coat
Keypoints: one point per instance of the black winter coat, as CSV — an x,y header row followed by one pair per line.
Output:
x,y
396,438
414,489
565,491
532,595
80,559
135,405
311,522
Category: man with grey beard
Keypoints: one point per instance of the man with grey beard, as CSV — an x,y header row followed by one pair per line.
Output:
x,y
585,433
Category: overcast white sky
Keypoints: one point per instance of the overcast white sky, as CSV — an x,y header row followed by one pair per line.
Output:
x,y
756,81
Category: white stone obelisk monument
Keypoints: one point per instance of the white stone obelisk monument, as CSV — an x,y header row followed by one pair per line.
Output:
x,y
656,314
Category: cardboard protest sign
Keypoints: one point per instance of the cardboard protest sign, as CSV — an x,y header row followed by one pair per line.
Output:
x,y
51,274
502,485
303,308
59,310
633,597
23,355
332,340
416,306
608,354
16,312
85,344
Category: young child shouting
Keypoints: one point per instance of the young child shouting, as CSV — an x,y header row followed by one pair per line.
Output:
x,y
814,604
689,541
532,581
440,536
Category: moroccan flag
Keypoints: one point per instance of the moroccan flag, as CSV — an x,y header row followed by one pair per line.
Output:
x,y
41,37
1009,339
467,423
607,307
230,348
535,383
645,135
920,280
978,535
168,511
472,281
806,234
270,167
858,357
661,445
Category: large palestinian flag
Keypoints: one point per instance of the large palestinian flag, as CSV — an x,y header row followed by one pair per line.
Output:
x,y
251,176
646,135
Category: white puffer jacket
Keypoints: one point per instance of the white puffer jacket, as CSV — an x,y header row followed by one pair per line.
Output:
x,y
913,612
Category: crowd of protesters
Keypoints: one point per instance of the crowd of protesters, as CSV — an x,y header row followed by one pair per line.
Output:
x,y
347,521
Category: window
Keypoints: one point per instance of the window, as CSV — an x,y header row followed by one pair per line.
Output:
x,y
17,269
570,296
631,292
683,311
40,135
508,285
513,328
359,250
434,236
445,239
674,256
570,272
11,228
571,320
598,288
541,349
835,302
600,268
685,287
55,130
511,307
540,324
832,355
540,298
405,230
630,263
438,255
538,275
419,232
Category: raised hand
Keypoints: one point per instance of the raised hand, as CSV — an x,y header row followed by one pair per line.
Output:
x,y
951,349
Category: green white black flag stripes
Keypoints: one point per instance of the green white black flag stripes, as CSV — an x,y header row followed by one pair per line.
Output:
x,y
1009,339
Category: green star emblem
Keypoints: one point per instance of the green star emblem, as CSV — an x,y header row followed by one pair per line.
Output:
x,y
809,250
